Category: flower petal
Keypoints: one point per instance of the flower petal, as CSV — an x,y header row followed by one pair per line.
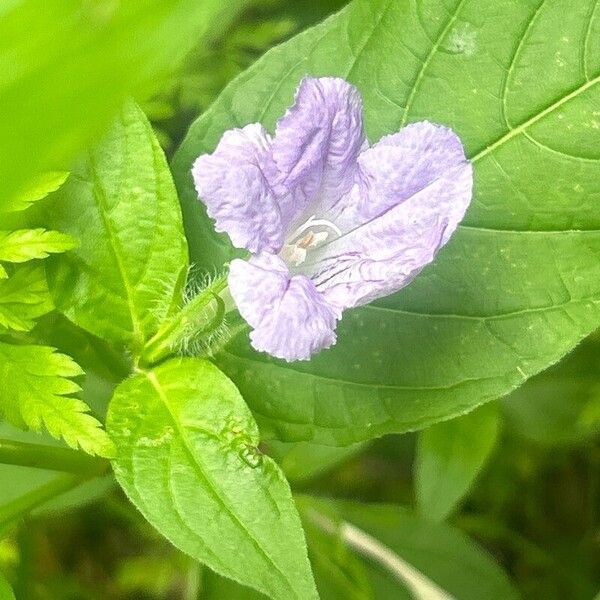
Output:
x,y
397,167
386,253
316,145
291,319
232,184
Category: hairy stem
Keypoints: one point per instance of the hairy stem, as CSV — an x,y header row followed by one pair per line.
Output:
x,y
204,313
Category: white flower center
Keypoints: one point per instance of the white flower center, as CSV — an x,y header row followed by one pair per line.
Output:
x,y
308,236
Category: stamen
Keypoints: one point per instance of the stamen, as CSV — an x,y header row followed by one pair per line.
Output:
x,y
293,254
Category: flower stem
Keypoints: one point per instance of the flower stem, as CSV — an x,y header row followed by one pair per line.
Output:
x,y
203,314
53,458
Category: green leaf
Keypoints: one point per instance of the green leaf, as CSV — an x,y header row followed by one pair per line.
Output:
x,y
518,285
187,458
24,297
38,188
121,203
408,556
561,405
449,457
72,64
35,389
29,244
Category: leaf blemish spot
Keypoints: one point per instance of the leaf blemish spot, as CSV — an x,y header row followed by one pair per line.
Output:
x,y
462,40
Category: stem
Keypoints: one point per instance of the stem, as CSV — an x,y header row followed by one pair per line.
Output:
x,y
197,314
418,584
53,458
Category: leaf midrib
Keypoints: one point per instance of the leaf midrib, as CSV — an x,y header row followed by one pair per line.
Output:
x,y
114,244
155,383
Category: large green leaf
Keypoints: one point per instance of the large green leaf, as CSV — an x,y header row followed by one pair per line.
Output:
x,y
450,455
187,458
518,286
67,66
121,204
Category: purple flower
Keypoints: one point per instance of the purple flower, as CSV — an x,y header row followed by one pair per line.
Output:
x,y
331,222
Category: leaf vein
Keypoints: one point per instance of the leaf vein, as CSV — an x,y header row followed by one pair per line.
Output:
x,y
586,41
513,61
428,59
367,39
534,119
486,318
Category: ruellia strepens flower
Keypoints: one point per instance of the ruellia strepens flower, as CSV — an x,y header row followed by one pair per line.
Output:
x,y
331,222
